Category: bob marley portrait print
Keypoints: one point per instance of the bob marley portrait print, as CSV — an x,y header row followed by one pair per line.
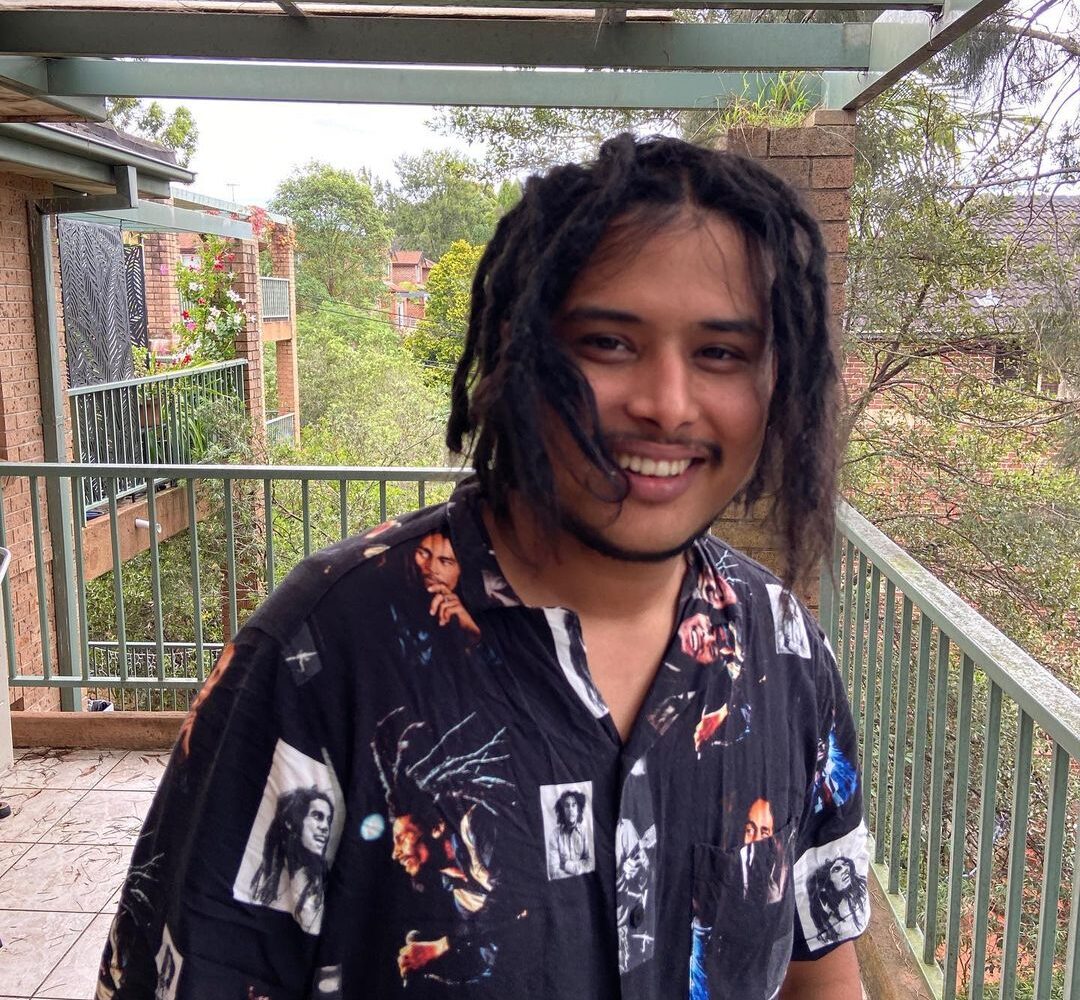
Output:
x,y
568,829
293,839
446,795
788,623
831,892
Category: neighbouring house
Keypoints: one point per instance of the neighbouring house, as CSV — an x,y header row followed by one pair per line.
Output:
x,y
406,281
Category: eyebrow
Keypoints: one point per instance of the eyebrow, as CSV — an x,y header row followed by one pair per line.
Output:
x,y
717,325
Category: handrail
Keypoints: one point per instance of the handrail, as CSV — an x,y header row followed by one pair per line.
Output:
x,y
164,377
382,473
1049,702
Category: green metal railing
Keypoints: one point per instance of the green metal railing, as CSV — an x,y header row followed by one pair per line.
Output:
x,y
245,528
281,429
969,752
157,419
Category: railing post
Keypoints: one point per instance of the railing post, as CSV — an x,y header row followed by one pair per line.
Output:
x,y
57,498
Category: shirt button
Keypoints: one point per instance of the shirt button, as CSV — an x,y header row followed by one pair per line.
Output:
x,y
637,916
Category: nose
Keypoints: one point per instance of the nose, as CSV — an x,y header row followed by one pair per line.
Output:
x,y
663,391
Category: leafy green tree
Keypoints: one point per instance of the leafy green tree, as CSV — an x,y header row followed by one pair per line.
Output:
x,y
437,341
439,198
342,239
177,131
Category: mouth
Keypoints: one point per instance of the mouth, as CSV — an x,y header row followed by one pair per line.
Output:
x,y
656,468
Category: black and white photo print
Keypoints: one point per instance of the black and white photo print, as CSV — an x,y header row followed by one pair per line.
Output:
x,y
568,829
791,636
168,961
293,839
830,890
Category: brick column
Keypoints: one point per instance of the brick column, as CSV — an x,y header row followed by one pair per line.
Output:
x,y
816,158
288,385
161,257
249,343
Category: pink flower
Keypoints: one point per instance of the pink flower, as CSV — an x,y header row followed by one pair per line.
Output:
x,y
230,257
190,324
186,314
202,302
218,266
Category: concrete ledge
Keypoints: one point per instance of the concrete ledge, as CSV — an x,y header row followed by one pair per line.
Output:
x,y
112,730
889,970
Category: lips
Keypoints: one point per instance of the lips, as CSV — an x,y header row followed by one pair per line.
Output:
x,y
645,466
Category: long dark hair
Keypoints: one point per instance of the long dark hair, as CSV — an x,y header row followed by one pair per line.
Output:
x,y
513,373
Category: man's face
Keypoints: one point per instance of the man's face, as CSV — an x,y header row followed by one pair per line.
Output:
x,y
315,831
840,875
759,822
437,562
573,813
411,848
668,332
698,639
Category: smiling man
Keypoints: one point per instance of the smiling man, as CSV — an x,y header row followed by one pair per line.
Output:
x,y
648,345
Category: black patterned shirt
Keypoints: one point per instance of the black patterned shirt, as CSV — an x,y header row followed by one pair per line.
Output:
x,y
399,781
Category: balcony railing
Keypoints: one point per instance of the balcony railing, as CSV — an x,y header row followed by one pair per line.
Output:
x,y
980,872
155,420
969,746
281,429
274,298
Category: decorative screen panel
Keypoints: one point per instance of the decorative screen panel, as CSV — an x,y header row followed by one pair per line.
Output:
x,y
138,322
95,303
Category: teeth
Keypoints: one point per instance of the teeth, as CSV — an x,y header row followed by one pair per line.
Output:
x,y
649,467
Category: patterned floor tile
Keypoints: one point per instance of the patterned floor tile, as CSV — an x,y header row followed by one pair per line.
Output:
x,y
75,978
139,771
63,768
35,810
64,877
33,944
102,817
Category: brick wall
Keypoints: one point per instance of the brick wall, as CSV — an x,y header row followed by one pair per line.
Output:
x,y
818,160
249,343
288,384
161,256
20,425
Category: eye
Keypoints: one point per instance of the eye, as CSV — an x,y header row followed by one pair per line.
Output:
x,y
603,343
719,352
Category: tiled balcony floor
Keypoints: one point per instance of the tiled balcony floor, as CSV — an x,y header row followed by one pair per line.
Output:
x,y
63,856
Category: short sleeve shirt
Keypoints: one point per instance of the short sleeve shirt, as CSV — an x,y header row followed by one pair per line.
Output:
x,y
400,781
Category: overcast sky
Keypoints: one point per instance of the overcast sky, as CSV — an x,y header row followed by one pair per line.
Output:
x,y
247,148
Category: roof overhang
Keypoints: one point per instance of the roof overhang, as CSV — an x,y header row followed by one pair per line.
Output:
x,y
578,53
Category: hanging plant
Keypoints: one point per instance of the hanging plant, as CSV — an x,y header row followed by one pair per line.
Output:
x,y
213,314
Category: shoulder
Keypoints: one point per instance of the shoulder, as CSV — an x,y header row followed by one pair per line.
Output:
x,y
350,573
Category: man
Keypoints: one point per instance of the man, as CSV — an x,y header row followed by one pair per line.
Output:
x,y
570,843
648,343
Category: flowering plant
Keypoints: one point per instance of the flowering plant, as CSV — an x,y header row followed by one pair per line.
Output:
x,y
213,312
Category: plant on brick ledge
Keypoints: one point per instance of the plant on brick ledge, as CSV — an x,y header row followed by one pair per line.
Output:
x,y
213,313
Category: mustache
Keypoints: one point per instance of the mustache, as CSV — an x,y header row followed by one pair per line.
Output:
x,y
612,443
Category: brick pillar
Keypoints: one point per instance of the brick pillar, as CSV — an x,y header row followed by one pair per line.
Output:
x,y
161,257
816,158
21,432
288,385
249,343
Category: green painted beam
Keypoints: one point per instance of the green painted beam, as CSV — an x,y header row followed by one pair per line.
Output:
x,y
29,75
152,217
413,85
579,42
900,42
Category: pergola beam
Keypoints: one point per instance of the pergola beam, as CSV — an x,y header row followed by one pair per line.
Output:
x,y
900,42
407,85
577,43
28,75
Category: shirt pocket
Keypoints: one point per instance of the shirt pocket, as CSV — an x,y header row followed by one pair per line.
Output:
x,y
743,919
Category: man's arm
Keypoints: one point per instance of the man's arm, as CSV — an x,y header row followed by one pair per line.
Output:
x,y
832,977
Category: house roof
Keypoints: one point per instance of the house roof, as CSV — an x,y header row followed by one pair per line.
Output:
x,y
410,257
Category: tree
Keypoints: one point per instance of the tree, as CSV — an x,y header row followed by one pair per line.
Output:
x,y
439,337
439,198
177,131
341,234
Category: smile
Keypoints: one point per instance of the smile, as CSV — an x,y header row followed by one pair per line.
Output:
x,y
661,469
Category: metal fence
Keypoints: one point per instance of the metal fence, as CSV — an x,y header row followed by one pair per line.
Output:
x,y
274,298
140,660
281,429
979,872
158,419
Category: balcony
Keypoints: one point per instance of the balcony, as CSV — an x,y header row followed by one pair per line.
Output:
x,y
969,747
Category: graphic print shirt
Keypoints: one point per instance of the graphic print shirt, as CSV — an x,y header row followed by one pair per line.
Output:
x,y
399,781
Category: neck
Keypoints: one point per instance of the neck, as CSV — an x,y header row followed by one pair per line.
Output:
x,y
565,572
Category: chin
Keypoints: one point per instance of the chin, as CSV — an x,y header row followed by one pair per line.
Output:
x,y
625,546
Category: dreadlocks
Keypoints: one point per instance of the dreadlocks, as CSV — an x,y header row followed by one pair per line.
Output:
x,y
513,373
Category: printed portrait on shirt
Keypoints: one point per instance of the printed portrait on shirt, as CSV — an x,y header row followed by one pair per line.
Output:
x,y
293,839
831,890
439,572
743,911
568,829
788,623
635,871
446,794
169,962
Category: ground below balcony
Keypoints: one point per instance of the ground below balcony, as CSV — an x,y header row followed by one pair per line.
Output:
x,y
64,853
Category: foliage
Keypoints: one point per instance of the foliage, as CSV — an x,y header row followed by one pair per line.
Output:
x,y
214,314
437,340
177,131
342,238
441,197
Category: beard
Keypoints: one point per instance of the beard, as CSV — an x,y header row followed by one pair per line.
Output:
x,y
593,538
